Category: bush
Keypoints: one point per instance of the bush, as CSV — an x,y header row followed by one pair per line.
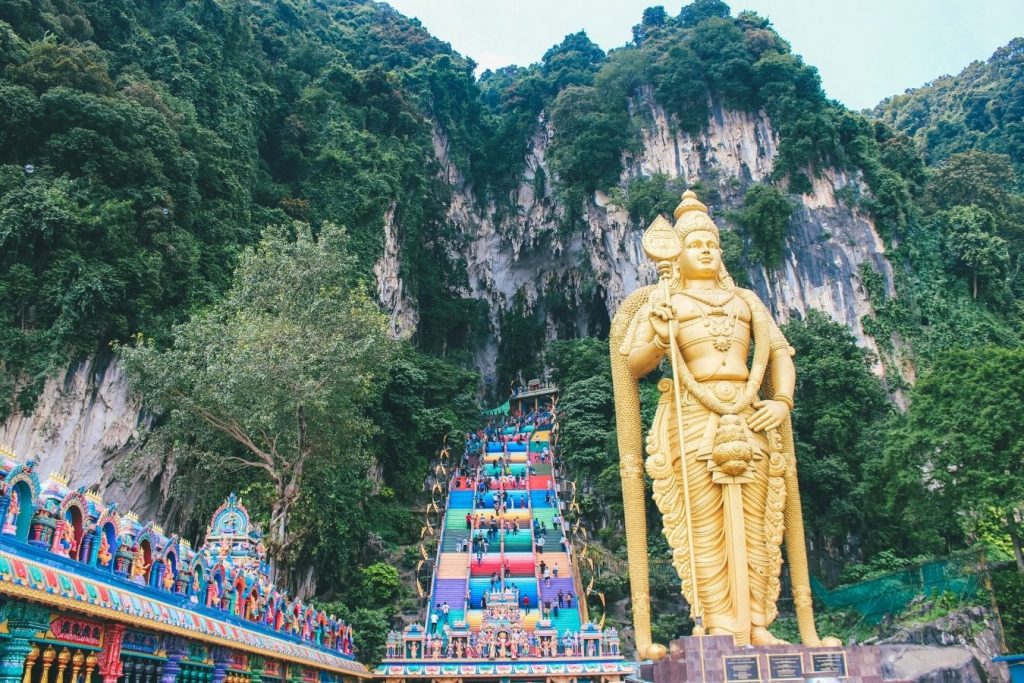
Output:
x,y
379,584
765,215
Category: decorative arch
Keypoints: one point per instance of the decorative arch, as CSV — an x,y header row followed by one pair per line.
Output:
x,y
106,530
20,510
74,512
25,472
198,587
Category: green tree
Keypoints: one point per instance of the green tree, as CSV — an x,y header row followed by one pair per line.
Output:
x,y
285,367
699,10
974,177
379,585
972,242
764,215
839,402
965,433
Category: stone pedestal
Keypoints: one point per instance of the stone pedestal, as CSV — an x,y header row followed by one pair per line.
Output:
x,y
716,659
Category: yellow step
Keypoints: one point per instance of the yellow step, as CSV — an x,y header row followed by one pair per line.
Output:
x,y
453,566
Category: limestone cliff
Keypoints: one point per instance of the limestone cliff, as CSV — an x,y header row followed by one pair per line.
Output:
x,y
82,426
827,242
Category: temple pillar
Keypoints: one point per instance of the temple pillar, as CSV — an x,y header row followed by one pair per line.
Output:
x,y
221,660
256,667
176,649
110,658
24,621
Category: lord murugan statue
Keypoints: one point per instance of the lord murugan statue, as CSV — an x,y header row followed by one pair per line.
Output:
x,y
720,449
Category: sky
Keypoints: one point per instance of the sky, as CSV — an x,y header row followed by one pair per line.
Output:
x,y
865,50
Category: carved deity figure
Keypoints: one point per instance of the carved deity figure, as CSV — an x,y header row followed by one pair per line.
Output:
x,y
212,594
103,555
11,520
720,450
140,567
168,579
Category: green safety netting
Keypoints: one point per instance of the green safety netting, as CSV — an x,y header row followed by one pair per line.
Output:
x,y
890,594
500,410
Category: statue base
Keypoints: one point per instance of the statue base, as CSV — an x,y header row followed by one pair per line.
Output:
x,y
717,659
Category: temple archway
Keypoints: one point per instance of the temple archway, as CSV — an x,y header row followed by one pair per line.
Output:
x,y
19,513
74,519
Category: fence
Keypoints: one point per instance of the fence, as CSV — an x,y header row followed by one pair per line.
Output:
x,y
959,575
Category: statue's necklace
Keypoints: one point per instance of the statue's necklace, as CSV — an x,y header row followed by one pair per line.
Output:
x,y
720,325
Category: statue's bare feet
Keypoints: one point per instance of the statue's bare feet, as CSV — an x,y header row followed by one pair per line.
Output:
x,y
759,635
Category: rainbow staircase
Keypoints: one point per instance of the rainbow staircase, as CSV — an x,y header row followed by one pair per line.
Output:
x,y
524,471
500,605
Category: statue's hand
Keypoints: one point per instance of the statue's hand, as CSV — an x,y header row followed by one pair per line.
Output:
x,y
769,415
661,313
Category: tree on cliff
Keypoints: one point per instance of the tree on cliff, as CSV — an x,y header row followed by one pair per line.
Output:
x,y
285,368
964,435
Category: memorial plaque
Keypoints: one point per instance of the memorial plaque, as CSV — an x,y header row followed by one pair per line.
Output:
x,y
785,667
742,668
828,662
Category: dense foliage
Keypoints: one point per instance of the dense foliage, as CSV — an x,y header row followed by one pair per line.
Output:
x,y
161,138
981,108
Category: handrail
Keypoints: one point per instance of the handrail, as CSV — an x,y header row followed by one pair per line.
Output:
x,y
572,557
440,550
469,543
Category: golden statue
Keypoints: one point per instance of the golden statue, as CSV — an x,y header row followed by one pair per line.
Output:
x,y
736,499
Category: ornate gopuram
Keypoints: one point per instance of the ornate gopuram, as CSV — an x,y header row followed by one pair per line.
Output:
x,y
90,595
505,596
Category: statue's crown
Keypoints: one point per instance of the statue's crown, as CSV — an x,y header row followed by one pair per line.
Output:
x,y
692,215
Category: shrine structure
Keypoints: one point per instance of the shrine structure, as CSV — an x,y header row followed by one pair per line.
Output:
x,y
90,594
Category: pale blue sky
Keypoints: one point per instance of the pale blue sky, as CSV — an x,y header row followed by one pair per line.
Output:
x,y
864,49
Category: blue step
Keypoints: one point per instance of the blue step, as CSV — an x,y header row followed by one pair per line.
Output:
x,y
460,499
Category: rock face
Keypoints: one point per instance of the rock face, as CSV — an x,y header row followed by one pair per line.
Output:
x,y
956,648
82,426
827,243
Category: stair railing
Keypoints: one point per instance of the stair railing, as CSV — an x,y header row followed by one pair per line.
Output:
x,y
571,552
440,550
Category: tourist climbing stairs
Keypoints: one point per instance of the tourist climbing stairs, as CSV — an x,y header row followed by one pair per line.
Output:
x,y
547,513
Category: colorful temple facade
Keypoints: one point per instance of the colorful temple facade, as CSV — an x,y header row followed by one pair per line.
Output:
x,y
505,602
89,594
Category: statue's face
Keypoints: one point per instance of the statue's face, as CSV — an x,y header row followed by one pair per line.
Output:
x,y
701,257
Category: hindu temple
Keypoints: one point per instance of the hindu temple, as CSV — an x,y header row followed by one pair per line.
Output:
x,y
88,594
